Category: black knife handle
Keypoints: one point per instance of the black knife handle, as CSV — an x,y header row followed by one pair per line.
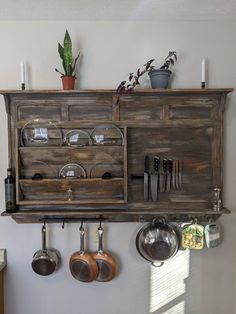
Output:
x,y
156,163
146,164
165,165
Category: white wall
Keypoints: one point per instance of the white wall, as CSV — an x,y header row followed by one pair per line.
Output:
x,y
192,283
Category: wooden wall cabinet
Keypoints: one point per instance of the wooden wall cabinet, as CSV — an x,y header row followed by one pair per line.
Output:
x,y
184,124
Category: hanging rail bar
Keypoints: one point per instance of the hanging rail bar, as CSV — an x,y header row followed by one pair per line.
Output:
x,y
64,220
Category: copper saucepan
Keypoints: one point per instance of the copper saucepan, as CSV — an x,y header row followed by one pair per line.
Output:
x,y
82,266
107,265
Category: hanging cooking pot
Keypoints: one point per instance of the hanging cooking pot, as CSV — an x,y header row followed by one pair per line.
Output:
x,y
157,242
45,261
82,266
107,265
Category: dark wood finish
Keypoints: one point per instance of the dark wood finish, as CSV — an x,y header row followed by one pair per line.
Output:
x,y
112,216
184,124
2,292
56,191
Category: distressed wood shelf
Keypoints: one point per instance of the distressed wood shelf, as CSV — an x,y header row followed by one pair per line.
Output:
x,y
178,124
114,216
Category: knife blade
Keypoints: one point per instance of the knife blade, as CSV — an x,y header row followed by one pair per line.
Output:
x,y
177,174
163,176
180,166
146,179
169,174
173,175
154,180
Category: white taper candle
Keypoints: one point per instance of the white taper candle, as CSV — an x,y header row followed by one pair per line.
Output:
x,y
203,70
22,73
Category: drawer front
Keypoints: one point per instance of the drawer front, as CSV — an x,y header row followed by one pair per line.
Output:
x,y
192,108
43,112
140,108
84,190
87,108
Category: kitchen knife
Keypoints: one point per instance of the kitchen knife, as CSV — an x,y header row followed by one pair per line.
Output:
x,y
154,180
163,176
180,166
173,175
176,174
146,179
169,174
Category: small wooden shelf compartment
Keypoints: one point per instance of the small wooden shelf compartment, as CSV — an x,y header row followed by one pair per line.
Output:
x,y
53,190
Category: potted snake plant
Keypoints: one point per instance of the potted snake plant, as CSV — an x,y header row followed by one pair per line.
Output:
x,y
68,63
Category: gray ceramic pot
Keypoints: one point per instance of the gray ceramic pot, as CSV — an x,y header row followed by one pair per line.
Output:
x,y
159,78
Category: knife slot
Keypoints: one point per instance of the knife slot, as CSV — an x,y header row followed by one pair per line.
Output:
x,y
136,176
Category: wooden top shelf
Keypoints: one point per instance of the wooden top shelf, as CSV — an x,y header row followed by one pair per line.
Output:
x,y
113,91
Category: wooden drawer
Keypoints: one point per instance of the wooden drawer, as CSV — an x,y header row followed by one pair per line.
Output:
x,y
194,108
141,108
74,191
30,112
89,108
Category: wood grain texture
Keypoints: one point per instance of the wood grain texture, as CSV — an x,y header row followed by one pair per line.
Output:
x,y
49,191
2,292
180,124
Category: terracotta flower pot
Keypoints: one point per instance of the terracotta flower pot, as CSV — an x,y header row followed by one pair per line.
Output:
x,y
68,82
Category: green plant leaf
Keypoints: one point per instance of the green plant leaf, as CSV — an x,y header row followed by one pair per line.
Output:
x,y
60,50
67,54
59,72
73,68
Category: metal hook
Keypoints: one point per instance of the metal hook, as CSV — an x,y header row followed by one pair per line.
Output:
x,y
63,224
100,225
44,226
210,220
81,225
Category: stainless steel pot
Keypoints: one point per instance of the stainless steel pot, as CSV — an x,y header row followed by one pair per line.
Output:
x,y
157,242
45,261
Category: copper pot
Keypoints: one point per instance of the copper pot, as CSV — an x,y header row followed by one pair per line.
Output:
x,y
82,265
107,265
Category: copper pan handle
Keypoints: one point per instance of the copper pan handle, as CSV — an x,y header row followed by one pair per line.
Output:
x,y
100,239
81,229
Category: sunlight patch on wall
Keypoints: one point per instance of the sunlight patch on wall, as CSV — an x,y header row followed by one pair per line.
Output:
x,y
167,283
176,309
